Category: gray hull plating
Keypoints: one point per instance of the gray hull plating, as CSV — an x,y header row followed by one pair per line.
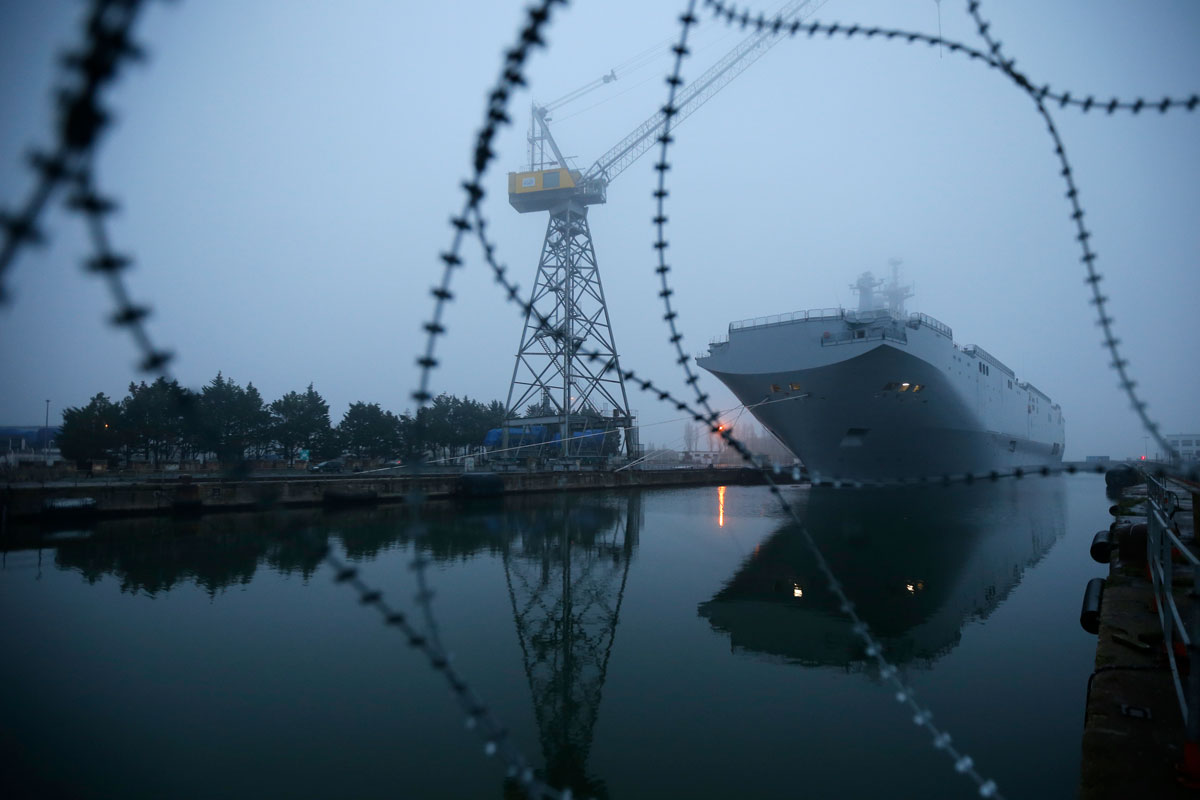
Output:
x,y
911,405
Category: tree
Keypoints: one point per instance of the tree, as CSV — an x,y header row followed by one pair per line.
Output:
x,y
454,424
158,419
90,433
368,430
542,408
300,421
231,419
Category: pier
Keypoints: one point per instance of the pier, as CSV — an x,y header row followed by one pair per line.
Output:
x,y
186,494
1136,742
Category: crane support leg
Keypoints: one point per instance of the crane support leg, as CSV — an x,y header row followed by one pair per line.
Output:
x,y
567,374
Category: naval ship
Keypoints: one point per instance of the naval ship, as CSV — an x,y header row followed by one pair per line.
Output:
x,y
878,395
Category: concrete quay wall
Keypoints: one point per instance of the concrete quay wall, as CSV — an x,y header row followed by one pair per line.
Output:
x,y
210,495
1133,737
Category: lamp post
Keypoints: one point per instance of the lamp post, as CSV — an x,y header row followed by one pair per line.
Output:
x,y
46,433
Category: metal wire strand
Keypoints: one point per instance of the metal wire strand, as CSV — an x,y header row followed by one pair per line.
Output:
x,y
91,69
731,15
108,46
922,717
497,741
480,718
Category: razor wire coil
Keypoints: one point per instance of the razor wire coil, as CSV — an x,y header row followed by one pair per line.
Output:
x,y
108,46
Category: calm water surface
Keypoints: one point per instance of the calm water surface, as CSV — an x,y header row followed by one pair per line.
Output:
x,y
672,643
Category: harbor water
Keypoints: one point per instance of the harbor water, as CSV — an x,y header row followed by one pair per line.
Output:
x,y
636,644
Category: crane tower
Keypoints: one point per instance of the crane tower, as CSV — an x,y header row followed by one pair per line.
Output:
x,y
567,376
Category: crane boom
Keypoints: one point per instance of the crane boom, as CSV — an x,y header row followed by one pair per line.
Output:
x,y
643,137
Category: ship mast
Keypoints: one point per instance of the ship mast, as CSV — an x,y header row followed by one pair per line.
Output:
x,y
865,288
867,285
894,292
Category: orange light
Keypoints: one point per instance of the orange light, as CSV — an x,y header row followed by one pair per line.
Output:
x,y
720,428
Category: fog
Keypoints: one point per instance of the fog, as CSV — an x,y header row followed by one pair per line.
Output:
x,y
287,172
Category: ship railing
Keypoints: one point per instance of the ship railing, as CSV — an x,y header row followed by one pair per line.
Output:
x,y
976,350
1167,555
786,319
1029,387
872,315
859,336
917,319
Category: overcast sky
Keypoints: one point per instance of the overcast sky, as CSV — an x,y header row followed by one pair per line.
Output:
x,y
287,169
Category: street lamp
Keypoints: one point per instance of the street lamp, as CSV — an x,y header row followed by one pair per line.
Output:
x,y
46,433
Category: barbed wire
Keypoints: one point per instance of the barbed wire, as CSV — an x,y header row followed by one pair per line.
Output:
x,y
108,28
921,716
1105,321
82,119
511,78
111,265
497,740
92,68
904,694
995,59
761,22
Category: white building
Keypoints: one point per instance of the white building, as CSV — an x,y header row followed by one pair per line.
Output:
x,y
1186,444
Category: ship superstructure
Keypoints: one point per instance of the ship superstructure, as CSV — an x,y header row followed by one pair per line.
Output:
x,y
877,394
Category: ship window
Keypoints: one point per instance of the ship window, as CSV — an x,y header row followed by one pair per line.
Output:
x,y
775,387
795,387
1012,445
887,387
904,387
1054,450
860,334
550,180
917,387
1010,384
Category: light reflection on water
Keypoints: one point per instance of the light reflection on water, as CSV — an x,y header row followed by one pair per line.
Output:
x,y
635,645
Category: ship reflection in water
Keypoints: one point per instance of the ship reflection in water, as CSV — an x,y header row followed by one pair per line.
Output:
x,y
559,574
918,563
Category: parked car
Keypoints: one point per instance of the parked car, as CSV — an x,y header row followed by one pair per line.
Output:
x,y
328,466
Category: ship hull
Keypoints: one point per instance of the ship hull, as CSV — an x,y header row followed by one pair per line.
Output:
x,y
906,405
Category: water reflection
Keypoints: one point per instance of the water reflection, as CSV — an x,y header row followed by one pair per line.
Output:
x,y
566,561
566,581
919,564
154,555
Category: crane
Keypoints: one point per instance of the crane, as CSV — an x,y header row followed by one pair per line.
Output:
x,y
560,394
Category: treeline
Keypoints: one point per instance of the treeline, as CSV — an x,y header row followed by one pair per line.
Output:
x,y
164,422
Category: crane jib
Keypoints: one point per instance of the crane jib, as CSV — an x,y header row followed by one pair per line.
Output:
x,y
749,50
541,189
